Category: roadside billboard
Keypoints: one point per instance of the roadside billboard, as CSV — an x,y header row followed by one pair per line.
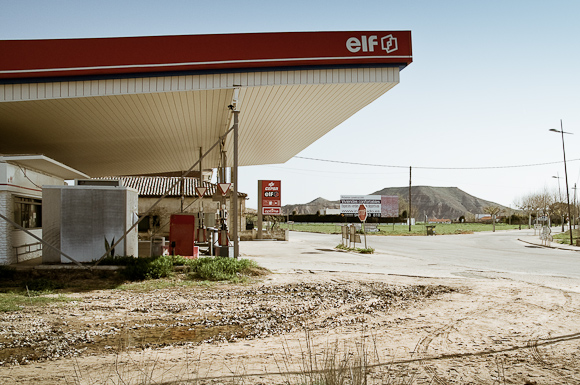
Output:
x,y
376,205
389,206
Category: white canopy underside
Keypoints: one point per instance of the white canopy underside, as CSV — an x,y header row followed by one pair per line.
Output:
x,y
158,124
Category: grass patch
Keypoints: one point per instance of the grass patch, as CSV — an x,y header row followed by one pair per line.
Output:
x,y
224,269
17,301
368,250
163,283
139,269
205,268
389,229
564,238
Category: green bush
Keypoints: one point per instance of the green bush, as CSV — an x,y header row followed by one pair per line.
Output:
x,y
221,269
207,268
138,269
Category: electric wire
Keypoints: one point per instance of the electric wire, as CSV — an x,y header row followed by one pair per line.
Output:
x,y
433,167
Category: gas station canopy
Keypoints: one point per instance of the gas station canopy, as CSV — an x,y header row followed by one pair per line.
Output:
x,y
146,105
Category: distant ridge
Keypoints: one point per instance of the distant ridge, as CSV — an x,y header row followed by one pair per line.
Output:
x,y
440,202
312,207
435,202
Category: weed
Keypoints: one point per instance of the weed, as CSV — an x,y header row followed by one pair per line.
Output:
x,y
224,269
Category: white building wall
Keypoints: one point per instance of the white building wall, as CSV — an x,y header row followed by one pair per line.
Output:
x,y
7,254
19,181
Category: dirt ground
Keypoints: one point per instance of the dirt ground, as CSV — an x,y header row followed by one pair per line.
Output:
x,y
407,330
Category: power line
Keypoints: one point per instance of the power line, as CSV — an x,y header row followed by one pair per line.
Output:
x,y
435,168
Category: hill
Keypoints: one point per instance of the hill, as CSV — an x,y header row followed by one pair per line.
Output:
x,y
439,202
435,202
312,207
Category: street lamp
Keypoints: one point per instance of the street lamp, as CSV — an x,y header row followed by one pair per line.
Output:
x,y
561,131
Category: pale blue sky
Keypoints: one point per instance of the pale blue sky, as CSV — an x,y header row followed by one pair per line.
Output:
x,y
488,81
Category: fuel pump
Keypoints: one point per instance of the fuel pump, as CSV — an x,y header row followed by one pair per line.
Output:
x,y
223,237
201,230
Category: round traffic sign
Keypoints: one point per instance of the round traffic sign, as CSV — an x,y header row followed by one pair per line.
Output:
x,y
362,213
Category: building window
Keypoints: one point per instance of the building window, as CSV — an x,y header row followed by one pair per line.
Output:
x,y
28,212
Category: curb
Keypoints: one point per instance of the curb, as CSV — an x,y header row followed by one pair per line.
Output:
x,y
548,247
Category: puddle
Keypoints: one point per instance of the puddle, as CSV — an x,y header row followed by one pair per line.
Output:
x,y
148,336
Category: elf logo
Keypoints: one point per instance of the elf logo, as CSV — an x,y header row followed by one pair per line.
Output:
x,y
388,44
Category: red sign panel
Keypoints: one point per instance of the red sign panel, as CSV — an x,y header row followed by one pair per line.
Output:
x,y
271,203
271,211
150,54
271,197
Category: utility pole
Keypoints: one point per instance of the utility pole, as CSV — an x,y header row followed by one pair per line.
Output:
x,y
561,131
409,213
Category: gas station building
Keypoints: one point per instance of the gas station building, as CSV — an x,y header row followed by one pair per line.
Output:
x,y
102,107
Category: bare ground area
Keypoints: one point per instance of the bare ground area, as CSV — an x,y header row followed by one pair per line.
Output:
x,y
407,330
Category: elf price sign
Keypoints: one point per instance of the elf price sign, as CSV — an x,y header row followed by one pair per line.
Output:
x,y
270,200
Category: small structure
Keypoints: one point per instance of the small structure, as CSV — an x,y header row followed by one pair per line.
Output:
x,y
181,198
21,201
84,220
485,218
430,229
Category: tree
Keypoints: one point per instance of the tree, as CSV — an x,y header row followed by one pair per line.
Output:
x,y
493,211
559,207
540,202
404,207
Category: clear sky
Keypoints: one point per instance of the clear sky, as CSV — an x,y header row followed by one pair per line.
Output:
x,y
489,79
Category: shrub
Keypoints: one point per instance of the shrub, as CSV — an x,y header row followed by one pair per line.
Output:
x,y
138,269
222,269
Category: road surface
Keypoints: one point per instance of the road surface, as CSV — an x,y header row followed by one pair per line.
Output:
x,y
499,255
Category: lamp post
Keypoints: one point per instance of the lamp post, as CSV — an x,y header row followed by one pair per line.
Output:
x,y
561,131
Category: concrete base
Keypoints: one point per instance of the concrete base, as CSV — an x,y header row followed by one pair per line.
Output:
x,y
224,251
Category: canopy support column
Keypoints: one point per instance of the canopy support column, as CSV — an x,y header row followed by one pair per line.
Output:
x,y
236,221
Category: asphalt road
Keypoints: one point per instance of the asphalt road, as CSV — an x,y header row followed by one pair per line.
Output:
x,y
484,255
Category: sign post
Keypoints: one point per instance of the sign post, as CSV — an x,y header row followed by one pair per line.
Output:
x,y
362,215
269,201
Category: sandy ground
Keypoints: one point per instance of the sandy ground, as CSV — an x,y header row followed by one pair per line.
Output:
x,y
409,330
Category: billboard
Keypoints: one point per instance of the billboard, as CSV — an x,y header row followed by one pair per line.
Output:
x,y
389,206
377,205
